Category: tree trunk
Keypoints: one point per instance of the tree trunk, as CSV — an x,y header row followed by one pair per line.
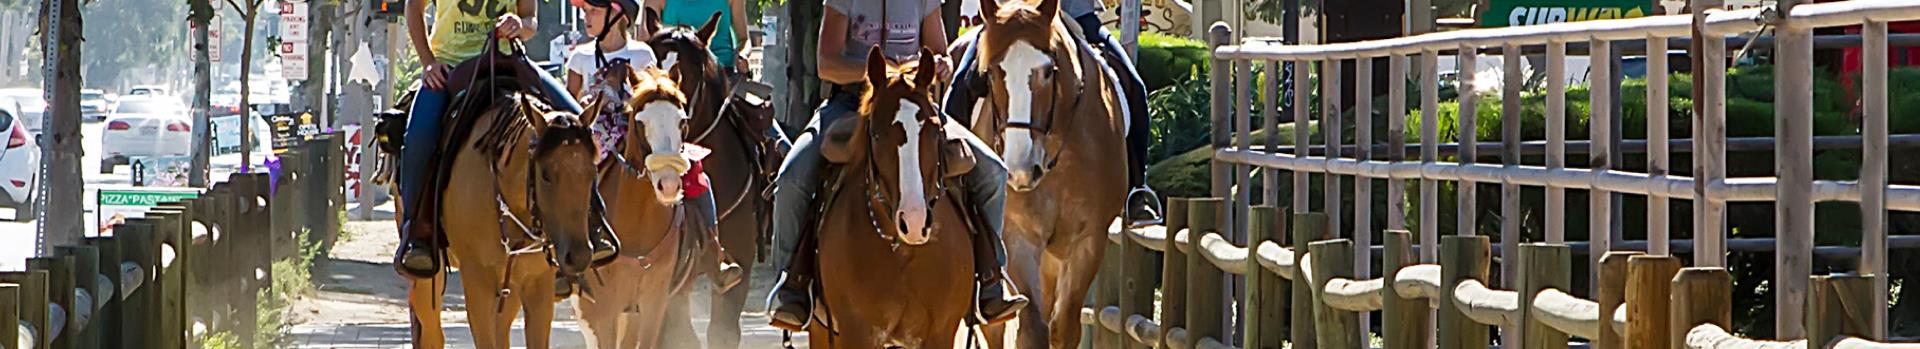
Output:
x,y
60,221
246,87
201,15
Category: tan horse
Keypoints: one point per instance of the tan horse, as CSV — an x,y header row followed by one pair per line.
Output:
x,y
515,206
643,188
742,166
1056,112
894,258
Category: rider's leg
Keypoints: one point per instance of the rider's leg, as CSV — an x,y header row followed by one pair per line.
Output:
x,y
705,215
416,256
1138,133
986,186
961,95
557,92
793,190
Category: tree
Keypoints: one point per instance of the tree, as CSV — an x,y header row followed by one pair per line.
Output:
x,y
127,39
250,15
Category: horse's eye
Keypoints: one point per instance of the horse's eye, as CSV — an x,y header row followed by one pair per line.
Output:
x,y
1048,72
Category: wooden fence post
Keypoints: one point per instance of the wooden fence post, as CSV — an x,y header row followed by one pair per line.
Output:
x,y
1266,319
288,204
85,264
1203,278
32,308
1337,328
1649,279
10,315
1462,258
1173,273
59,292
1700,296
1136,287
1404,321
137,311
1839,305
1611,293
171,280
1307,228
1543,266
109,266
1107,293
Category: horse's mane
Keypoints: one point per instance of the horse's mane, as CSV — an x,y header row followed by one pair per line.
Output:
x,y
904,71
651,85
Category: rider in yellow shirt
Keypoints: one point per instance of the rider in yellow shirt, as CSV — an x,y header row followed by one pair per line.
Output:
x,y
461,29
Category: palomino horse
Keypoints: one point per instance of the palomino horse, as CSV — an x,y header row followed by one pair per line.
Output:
x,y
742,167
515,206
895,261
1055,111
629,306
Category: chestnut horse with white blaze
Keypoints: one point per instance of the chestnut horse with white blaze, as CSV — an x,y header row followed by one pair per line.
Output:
x,y
1059,118
894,254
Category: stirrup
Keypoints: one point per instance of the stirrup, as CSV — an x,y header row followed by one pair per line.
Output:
x,y
1154,207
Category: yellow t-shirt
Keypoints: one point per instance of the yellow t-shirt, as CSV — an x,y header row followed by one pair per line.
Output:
x,y
461,28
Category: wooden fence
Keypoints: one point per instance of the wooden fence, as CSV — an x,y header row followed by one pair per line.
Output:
x,y
1235,274
186,269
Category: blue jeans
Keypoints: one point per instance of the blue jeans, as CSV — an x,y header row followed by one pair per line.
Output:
x,y
799,179
422,139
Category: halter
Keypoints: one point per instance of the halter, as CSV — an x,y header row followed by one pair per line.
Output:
x,y
1042,132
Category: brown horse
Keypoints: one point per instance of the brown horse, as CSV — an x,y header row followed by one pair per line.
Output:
x,y
742,166
895,262
629,306
515,207
1055,110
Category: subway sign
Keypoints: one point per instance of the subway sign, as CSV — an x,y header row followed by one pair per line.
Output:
x,y
1504,13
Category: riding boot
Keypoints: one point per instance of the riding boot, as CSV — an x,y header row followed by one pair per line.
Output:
x,y
600,238
417,256
792,304
998,300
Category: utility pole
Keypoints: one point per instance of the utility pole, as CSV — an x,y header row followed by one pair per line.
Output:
x,y
200,16
59,219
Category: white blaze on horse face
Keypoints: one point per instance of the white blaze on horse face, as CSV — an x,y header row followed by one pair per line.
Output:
x,y
672,59
661,120
913,193
1022,154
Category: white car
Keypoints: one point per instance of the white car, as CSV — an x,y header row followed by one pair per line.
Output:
x,y
29,103
145,127
148,91
19,165
93,104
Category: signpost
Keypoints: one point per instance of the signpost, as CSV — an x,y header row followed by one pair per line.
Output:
x,y
293,40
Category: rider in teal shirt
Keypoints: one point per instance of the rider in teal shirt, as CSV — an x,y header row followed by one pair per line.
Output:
x,y
728,41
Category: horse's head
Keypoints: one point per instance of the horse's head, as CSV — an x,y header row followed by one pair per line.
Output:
x,y
900,139
682,51
659,113
1028,56
562,180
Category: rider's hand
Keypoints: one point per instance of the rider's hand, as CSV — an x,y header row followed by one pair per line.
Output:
x,y
435,76
507,27
943,65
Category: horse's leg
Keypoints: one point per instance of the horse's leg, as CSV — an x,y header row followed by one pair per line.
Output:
x,y
423,302
723,318
1079,262
677,330
482,286
1024,265
539,311
503,319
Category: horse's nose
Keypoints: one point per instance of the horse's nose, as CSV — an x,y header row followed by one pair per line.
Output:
x,y
913,225
575,258
667,189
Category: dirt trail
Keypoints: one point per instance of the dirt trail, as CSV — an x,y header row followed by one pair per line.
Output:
x,y
361,303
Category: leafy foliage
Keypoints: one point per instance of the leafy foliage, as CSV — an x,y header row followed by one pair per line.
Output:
x,y
128,40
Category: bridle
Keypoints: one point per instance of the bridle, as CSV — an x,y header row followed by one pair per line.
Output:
x,y
1042,128
876,189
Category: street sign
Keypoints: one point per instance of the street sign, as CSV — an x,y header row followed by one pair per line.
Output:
x,y
1502,13
213,44
116,205
293,40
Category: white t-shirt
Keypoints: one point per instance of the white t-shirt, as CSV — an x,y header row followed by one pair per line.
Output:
x,y
581,60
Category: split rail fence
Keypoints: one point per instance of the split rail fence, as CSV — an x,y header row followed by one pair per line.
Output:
x,y
1306,276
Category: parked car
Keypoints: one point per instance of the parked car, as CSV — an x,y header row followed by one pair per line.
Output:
x,y
148,91
19,165
145,127
29,103
93,104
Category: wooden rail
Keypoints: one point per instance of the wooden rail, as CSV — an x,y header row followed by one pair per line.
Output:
x,y
187,267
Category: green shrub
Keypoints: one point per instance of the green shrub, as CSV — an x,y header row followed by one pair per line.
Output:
x,y
1164,60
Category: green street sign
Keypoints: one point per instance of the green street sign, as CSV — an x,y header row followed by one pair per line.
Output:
x,y
142,197
1503,13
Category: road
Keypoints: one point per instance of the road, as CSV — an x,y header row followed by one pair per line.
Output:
x,y
17,238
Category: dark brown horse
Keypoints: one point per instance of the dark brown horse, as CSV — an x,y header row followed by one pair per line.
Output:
x,y
1057,114
894,258
742,165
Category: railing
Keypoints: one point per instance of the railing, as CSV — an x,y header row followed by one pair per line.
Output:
x,y
1312,286
186,268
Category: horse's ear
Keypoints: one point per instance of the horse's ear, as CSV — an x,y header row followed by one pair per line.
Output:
x,y
928,72
707,30
876,68
989,11
1050,8
650,21
838,142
